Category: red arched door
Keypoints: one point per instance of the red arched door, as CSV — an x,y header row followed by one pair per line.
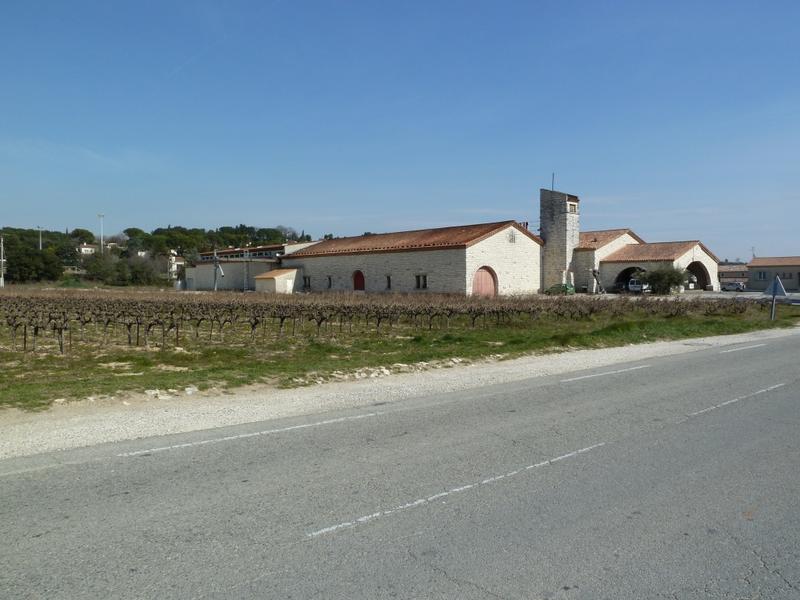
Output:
x,y
484,283
358,281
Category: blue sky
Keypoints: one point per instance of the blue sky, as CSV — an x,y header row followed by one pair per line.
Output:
x,y
678,119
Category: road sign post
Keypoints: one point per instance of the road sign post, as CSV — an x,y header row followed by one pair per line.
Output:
x,y
775,289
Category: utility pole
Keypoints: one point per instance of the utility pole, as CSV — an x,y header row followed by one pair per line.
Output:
x,y
2,262
246,270
39,227
100,216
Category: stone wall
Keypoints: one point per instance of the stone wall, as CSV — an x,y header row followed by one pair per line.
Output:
x,y
513,256
445,271
516,264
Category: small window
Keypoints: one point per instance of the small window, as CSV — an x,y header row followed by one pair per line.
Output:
x,y
306,282
572,207
512,236
422,282
388,282
762,275
330,282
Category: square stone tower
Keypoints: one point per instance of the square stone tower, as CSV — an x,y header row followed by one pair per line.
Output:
x,y
559,223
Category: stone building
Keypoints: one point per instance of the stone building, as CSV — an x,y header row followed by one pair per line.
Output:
x,y
609,258
762,271
484,259
501,258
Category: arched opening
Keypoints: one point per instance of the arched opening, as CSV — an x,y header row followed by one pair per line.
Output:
x,y
698,274
358,281
621,282
484,283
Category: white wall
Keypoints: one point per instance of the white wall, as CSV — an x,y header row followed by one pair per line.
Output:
x,y
282,284
446,270
609,271
517,264
697,254
586,260
201,277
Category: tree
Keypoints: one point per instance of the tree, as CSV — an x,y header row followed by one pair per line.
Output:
x,y
82,236
52,268
664,279
66,252
100,267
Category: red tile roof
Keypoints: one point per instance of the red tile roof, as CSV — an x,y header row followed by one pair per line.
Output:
x,y
775,261
442,238
656,252
592,240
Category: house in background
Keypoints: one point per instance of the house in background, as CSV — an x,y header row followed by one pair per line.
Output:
x,y
174,265
762,272
87,249
733,273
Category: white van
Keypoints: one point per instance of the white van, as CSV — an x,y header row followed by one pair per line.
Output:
x,y
635,286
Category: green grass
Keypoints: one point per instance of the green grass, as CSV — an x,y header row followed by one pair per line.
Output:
x,y
32,380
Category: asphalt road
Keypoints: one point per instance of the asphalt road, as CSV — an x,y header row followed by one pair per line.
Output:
x,y
677,478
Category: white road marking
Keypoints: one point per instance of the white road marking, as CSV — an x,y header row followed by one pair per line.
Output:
x,y
748,396
450,492
606,373
742,348
242,436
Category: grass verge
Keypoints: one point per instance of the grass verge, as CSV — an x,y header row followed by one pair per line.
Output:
x,y
33,380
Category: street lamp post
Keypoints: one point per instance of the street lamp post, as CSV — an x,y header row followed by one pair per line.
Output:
x,y
39,227
2,262
100,216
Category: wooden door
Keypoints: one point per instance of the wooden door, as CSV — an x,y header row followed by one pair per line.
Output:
x,y
358,281
484,283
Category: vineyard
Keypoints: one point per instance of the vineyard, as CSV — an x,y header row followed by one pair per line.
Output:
x,y
64,321
79,343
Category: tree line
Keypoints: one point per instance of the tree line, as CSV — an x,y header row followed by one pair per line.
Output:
x,y
134,256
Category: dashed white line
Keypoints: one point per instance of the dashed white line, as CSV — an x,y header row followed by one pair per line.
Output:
x,y
606,373
742,348
747,397
242,436
422,501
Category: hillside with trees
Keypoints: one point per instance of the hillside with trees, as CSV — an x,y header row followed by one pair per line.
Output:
x,y
133,257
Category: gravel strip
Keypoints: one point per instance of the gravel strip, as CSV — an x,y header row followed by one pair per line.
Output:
x,y
86,423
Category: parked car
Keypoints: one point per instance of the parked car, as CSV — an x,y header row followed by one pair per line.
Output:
x,y
636,286
733,286
560,289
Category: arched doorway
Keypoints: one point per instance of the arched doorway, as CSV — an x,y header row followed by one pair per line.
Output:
x,y
358,281
484,283
700,273
621,282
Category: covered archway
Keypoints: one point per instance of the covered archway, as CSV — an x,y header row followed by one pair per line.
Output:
x,y
697,271
484,283
624,276
358,281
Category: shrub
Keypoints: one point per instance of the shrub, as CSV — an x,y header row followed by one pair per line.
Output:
x,y
663,279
